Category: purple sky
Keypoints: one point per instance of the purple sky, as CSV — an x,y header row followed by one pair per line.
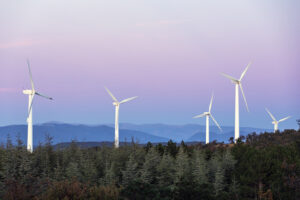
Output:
x,y
170,53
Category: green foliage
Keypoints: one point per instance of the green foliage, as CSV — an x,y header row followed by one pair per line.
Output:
x,y
262,166
219,184
166,171
130,174
149,169
200,168
182,166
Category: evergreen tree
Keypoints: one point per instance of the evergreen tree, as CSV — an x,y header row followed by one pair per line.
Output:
x,y
58,172
228,160
214,162
219,181
149,169
130,174
72,171
234,188
182,166
172,148
109,177
200,168
166,170
87,167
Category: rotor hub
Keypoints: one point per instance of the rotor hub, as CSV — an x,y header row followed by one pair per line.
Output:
x,y
29,92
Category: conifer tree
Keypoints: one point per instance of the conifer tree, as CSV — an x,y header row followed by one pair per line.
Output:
x,y
234,188
149,169
166,170
214,162
182,166
130,173
109,177
200,168
219,180
88,169
228,160
72,171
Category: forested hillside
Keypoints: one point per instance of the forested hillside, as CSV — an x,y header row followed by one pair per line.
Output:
x,y
265,166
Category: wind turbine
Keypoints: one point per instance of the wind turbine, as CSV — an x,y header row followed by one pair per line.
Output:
x,y
275,122
31,94
238,83
116,103
208,115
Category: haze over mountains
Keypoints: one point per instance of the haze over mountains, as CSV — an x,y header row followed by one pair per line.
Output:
x,y
62,132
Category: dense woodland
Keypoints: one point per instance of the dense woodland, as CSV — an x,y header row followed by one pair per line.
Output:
x,y
264,166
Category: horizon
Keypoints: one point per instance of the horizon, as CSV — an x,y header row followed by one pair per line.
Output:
x,y
170,54
135,124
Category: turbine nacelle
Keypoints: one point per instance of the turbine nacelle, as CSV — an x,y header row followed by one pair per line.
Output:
x,y
236,82
116,103
28,92
206,113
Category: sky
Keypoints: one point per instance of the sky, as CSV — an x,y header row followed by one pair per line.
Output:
x,y
170,53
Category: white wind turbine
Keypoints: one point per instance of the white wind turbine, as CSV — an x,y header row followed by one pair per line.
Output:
x,y
116,103
208,115
31,94
238,83
275,122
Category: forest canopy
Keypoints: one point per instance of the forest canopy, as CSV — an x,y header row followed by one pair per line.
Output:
x,y
260,166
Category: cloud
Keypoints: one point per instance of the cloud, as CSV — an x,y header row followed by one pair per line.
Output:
x,y
5,90
16,44
162,22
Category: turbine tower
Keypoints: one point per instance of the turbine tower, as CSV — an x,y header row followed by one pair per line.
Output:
x,y
116,103
31,94
238,83
208,115
275,122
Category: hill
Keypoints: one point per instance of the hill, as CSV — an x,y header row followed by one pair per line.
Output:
x,y
67,132
62,132
190,132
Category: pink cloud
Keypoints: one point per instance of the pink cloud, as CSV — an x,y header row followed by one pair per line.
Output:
x,y
4,90
162,22
17,44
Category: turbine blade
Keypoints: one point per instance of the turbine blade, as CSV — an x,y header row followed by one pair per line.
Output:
x,y
284,119
44,96
112,96
273,118
211,101
30,74
230,77
30,107
199,116
215,121
244,97
129,99
244,72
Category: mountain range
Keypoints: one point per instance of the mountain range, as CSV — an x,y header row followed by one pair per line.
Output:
x,y
155,133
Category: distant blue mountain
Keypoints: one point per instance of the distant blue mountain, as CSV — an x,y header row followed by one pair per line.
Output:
x,y
189,132
155,133
175,132
67,132
223,136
